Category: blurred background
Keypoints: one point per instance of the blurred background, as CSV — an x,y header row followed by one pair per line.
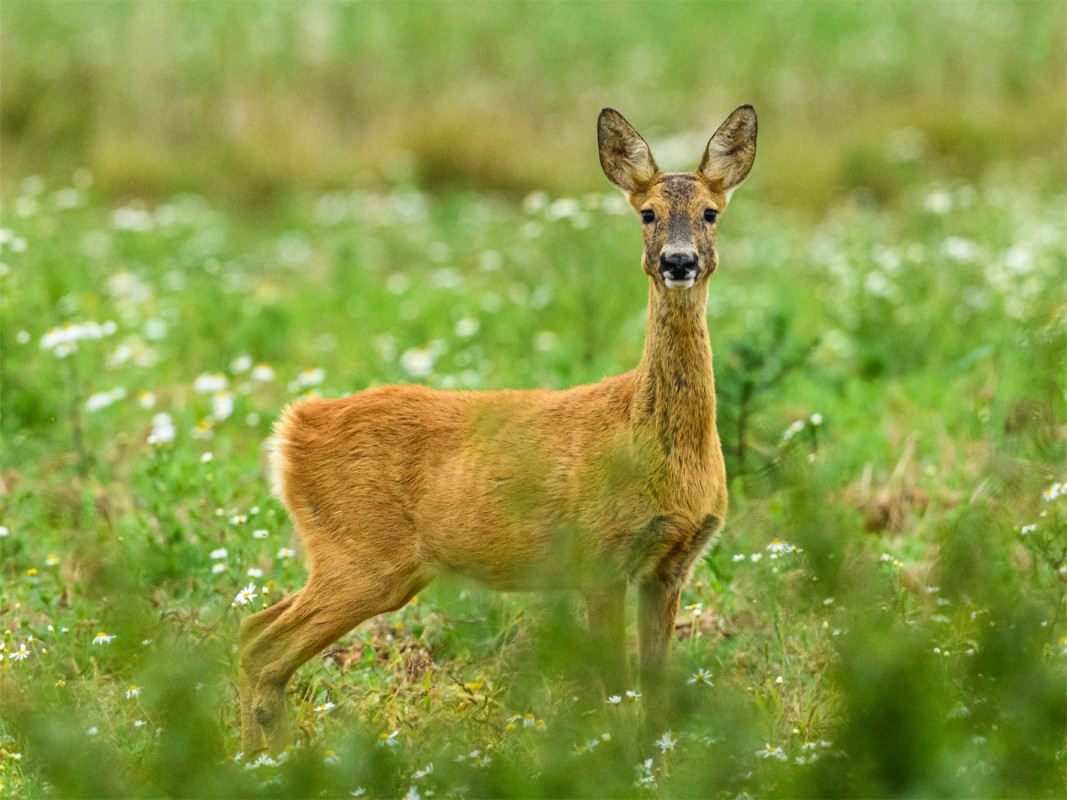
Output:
x,y
246,101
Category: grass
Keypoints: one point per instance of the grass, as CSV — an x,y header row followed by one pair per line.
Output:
x,y
876,620
209,210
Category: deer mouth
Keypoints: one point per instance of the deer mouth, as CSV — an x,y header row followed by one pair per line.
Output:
x,y
679,283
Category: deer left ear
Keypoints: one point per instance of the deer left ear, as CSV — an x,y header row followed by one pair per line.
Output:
x,y
731,151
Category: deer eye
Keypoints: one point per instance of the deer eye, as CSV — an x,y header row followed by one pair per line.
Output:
x,y
710,215
648,216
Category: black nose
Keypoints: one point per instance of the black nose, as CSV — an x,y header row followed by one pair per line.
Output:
x,y
679,265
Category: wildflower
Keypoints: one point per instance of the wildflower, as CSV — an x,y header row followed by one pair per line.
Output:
x,y
417,362
218,568
286,552
959,248
412,794
359,791
260,533
738,557
777,548
263,761
938,202
155,330
1054,491
4,531
589,746
645,778
238,519
322,708
207,457
242,363
959,711
102,638
466,327
51,559
254,572
614,700
162,429
210,383
1025,529
218,553
100,400
388,739
21,654
261,373
755,558
221,406
133,691
310,377
771,752
330,757
666,742
245,596
701,676
695,608
422,773
634,696
793,430
92,731
203,429
815,419
64,340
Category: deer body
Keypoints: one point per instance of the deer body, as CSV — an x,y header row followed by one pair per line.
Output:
x,y
590,488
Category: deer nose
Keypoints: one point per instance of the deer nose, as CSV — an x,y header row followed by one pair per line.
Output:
x,y
679,264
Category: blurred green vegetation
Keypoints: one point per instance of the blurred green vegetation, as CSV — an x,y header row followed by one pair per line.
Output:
x,y
250,201
245,101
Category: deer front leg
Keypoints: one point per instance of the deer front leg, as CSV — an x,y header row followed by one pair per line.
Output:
x,y
657,607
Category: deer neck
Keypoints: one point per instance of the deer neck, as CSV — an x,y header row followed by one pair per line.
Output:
x,y
674,392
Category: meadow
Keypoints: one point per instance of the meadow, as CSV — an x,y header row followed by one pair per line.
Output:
x,y
884,612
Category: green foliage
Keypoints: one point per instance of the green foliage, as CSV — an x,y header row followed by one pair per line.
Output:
x,y
815,658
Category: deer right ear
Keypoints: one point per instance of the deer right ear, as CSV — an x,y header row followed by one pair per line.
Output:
x,y
731,151
624,156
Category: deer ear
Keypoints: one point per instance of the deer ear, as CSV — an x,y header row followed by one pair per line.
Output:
x,y
624,156
731,151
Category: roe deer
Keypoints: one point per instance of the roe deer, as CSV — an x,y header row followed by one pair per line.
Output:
x,y
591,488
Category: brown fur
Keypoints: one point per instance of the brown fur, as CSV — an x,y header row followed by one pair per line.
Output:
x,y
591,489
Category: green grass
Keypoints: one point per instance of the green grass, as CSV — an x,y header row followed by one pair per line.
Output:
x,y
915,644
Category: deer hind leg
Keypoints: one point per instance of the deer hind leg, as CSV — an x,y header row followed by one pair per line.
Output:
x,y
606,609
323,611
251,628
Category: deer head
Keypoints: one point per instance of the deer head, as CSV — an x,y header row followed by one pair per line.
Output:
x,y
678,210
